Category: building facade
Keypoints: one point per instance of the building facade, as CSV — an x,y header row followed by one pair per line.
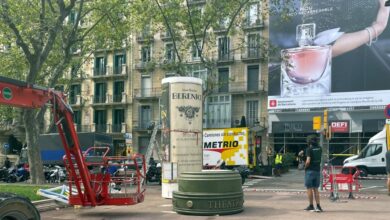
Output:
x,y
119,90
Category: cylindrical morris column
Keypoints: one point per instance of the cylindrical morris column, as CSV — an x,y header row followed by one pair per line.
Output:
x,y
181,126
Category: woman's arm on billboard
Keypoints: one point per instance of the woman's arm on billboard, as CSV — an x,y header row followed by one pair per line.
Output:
x,y
351,41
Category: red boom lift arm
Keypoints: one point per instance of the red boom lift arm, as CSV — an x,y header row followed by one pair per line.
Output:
x,y
21,94
93,186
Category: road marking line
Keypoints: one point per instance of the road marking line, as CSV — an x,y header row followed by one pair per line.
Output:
x,y
166,205
169,212
370,187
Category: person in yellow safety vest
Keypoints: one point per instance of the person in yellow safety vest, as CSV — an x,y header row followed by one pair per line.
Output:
x,y
278,164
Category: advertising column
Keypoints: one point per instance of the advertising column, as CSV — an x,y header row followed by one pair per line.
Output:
x,y
181,120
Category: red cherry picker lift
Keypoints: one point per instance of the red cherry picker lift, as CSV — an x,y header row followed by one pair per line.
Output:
x,y
90,181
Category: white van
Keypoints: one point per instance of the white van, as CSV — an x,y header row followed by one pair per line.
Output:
x,y
371,159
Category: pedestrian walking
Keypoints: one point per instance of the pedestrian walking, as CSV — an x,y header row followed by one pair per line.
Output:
x,y
301,160
312,172
278,164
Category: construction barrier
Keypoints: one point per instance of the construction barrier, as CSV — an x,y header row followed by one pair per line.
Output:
x,y
340,179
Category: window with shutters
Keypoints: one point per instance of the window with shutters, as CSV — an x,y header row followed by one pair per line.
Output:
x,y
100,66
252,115
223,80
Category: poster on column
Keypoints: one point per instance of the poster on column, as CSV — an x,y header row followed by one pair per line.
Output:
x,y
185,123
229,145
165,122
329,53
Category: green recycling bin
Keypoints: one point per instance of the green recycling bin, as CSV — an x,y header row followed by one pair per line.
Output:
x,y
209,192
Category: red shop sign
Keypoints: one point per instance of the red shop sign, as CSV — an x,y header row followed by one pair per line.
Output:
x,y
339,126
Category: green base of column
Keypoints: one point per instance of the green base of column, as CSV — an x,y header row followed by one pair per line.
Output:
x,y
209,193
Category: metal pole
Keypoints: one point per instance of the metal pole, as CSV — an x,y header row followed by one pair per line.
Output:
x,y
325,149
323,157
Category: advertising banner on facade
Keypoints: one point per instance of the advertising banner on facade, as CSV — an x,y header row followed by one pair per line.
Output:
x,y
229,145
341,126
328,53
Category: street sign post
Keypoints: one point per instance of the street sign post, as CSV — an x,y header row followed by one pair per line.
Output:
x,y
6,147
387,111
387,115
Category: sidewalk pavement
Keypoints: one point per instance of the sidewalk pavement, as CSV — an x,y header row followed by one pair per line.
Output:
x,y
268,199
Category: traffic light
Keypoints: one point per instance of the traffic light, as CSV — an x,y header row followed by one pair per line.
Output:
x,y
328,133
317,123
326,119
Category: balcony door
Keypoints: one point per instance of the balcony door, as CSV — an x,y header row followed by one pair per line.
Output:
x,y
223,48
223,80
145,116
252,112
253,78
74,91
146,86
119,63
119,88
252,14
100,66
100,120
118,117
100,92
145,54
77,120
253,45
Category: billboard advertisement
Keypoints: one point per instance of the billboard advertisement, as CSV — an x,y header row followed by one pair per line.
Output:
x,y
329,53
229,145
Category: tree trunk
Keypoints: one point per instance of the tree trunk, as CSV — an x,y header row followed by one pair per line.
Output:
x,y
34,155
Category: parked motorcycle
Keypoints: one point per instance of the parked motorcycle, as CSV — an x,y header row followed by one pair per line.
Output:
x,y
18,174
154,173
56,174
4,174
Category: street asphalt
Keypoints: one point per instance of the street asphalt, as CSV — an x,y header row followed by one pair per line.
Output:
x,y
265,198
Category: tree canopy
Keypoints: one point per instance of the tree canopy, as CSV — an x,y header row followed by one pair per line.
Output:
x,y
42,39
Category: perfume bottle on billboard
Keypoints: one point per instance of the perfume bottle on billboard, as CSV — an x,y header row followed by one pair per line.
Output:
x,y
306,70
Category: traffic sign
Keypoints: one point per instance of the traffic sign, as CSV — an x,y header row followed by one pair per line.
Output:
x,y
387,111
6,145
